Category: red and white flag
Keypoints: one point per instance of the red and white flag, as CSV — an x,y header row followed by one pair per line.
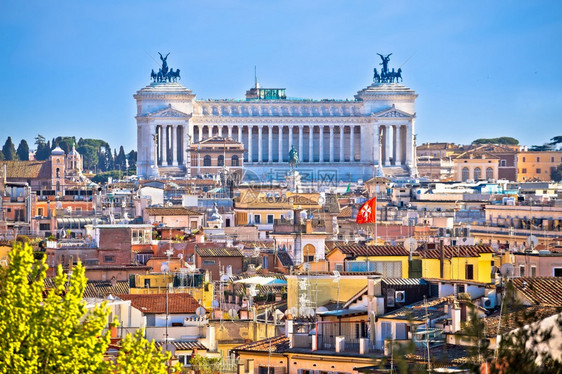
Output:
x,y
368,212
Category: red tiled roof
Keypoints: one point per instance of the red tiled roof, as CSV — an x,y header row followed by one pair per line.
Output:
x,y
171,211
219,252
27,169
277,344
451,251
542,291
356,250
182,345
178,303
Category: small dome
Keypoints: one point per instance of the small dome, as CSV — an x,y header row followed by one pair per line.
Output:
x,y
73,152
57,151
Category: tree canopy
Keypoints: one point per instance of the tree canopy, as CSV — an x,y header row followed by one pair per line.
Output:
x,y
23,150
506,140
9,150
51,331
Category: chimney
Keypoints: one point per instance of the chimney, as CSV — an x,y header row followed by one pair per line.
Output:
x,y
456,318
340,344
211,339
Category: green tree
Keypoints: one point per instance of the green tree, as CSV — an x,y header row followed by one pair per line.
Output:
x,y
506,140
52,332
556,173
9,150
43,149
65,142
23,150
121,159
89,156
132,157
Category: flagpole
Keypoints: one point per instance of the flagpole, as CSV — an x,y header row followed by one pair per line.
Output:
x,y
376,222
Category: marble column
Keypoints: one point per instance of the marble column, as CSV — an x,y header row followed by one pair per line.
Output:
x,y
301,150
174,139
260,142
165,146
269,143
250,143
321,147
280,143
160,158
290,136
153,156
387,145
219,133
230,131
361,156
332,144
239,140
398,145
409,145
342,154
310,143
352,143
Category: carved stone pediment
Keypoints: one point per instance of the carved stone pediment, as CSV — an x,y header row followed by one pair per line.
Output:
x,y
393,113
169,112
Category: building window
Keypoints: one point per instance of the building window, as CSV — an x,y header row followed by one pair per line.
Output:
x,y
209,262
524,170
270,218
538,170
265,262
257,219
108,258
477,174
146,282
503,163
465,174
235,161
309,253
44,226
469,271
207,160
533,271
489,173
557,272
57,173
538,159
220,161
40,212
552,159
524,159
521,270
266,370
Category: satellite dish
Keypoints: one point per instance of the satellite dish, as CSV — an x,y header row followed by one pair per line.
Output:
x,y
164,268
232,313
507,270
495,247
215,304
200,311
337,276
532,241
306,266
410,244
253,291
180,256
225,278
321,309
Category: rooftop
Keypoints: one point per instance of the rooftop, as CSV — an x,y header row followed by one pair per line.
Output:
x,y
178,303
545,291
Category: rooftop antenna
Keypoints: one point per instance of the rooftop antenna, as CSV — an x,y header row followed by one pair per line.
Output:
x,y
256,83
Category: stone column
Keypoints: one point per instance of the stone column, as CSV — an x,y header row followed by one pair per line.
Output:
x,y
409,144
174,139
239,140
331,143
310,143
361,156
260,141
321,147
387,145
376,145
153,154
159,132
290,136
230,131
250,143
301,139
342,154
398,146
352,143
219,133
280,143
165,146
269,143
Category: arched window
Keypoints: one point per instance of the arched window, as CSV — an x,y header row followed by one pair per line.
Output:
x,y
58,187
235,161
207,160
308,253
57,173
465,175
477,174
489,173
220,161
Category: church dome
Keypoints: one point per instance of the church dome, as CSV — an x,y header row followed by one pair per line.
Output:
x,y
57,151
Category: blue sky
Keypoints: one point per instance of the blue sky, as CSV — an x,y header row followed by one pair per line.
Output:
x,y
481,68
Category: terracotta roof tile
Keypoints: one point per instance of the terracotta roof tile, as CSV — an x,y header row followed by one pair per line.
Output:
x,y
356,250
542,291
27,169
178,303
277,344
171,211
219,252
183,345
451,251
510,320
